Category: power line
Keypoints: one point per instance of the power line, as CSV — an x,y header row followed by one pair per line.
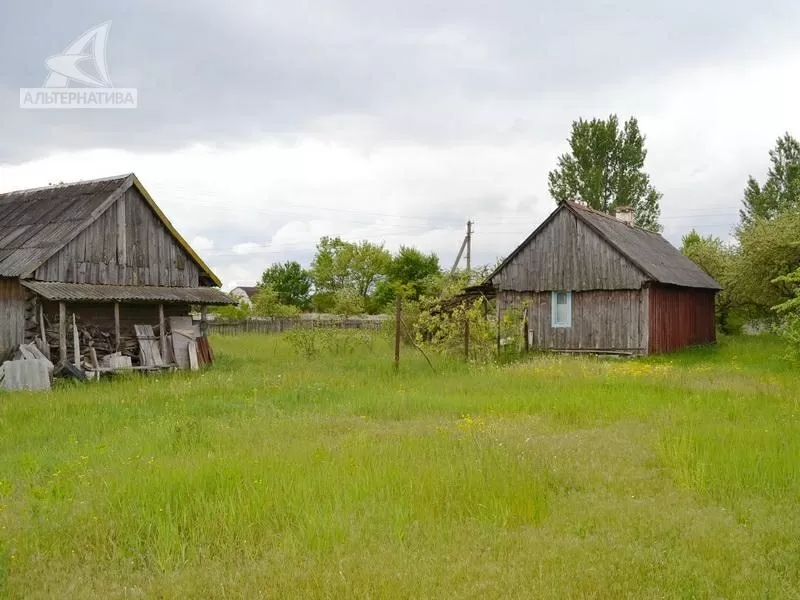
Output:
x,y
186,196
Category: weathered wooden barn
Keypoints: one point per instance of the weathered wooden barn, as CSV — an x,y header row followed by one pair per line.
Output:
x,y
590,282
100,250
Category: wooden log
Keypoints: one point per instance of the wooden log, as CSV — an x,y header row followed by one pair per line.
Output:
x,y
62,332
116,326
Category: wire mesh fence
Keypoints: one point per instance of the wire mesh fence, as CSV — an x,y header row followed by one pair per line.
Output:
x,y
280,324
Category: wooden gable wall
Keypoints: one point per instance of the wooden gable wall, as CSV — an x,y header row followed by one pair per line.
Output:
x,y
568,255
127,245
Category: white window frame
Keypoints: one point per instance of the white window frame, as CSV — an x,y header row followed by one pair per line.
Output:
x,y
554,311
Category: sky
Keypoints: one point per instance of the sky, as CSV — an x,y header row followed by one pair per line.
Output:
x,y
262,126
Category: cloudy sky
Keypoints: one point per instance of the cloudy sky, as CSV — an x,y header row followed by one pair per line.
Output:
x,y
263,125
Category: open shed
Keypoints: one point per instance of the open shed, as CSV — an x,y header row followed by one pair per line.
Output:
x,y
98,256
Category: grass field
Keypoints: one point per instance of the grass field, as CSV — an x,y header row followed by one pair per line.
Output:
x,y
278,476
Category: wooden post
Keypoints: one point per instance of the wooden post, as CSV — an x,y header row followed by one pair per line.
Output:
x,y
76,344
203,320
497,302
397,322
162,332
43,332
62,332
93,358
466,333
116,327
525,331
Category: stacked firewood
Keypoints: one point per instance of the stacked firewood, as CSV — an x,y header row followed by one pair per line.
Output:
x,y
103,342
91,336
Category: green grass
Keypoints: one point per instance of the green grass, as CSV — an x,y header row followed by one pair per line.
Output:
x,y
278,476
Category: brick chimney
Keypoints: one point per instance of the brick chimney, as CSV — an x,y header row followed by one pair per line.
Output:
x,y
624,214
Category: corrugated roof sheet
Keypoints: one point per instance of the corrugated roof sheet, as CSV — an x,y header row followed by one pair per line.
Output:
x,y
647,250
82,292
36,222
652,254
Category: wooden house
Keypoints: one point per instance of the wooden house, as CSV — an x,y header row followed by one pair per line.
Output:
x,y
590,282
98,251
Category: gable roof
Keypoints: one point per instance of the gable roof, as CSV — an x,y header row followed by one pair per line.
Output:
x,y
247,289
36,223
658,260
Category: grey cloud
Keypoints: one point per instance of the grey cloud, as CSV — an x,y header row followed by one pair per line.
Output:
x,y
449,71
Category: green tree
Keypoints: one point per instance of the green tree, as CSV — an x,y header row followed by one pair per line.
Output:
x,y
266,303
238,312
789,313
330,267
781,189
339,265
605,169
715,257
410,272
348,302
768,250
290,281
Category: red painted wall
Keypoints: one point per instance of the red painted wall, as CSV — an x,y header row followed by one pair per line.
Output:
x,y
680,317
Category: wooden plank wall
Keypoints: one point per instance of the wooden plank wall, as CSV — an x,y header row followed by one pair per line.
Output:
x,y
610,321
127,245
12,314
680,317
568,255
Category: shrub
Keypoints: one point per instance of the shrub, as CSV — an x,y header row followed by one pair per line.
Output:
x,y
789,327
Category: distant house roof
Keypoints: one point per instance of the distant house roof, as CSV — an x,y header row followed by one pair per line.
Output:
x,y
36,223
659,260
84,292
249,290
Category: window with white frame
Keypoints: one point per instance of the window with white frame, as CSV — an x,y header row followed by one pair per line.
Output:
x,y
561,315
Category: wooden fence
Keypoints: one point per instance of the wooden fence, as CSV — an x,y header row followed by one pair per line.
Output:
x,y
277,325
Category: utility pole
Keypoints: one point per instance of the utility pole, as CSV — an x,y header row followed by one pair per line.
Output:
x,y
465,245
469,249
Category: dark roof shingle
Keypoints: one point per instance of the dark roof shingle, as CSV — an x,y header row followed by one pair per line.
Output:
x,y
34,223
654,255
